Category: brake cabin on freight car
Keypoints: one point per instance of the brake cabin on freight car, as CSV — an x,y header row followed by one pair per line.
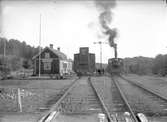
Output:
x,y
84,62
52,62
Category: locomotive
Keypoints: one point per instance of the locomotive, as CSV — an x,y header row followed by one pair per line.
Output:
x,y
115,66
84,62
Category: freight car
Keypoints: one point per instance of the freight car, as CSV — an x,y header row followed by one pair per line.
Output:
x,y
84,62
115,66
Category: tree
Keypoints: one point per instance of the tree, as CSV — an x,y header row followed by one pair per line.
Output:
x,y
26,64
17,51
160,65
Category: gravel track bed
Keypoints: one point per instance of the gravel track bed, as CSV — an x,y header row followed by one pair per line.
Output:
x,y
81,100
142,101
158,84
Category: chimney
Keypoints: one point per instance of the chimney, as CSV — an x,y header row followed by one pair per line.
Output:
x,y
51,46
58,48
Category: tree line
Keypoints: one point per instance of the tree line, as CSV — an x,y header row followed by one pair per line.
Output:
x,y
17,54
146,66
138,65
160,65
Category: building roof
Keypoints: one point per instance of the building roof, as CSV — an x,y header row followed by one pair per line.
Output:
x,y
61,55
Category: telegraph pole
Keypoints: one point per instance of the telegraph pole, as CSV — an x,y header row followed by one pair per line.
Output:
x,y
4,56
4,50
100,43
40,46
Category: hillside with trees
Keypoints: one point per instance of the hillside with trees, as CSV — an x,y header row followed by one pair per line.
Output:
x,y
145,66
138,65
17,54
160,65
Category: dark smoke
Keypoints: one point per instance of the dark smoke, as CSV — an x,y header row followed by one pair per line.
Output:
x,y
112,34
105,18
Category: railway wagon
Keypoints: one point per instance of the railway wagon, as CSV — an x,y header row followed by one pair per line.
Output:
x,y
115,66
84,62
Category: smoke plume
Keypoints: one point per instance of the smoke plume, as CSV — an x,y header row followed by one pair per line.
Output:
x,y
105,18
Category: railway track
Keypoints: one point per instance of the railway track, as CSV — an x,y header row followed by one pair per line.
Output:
x,y
80,98
150,102
46,115
146,89
100,95
114,99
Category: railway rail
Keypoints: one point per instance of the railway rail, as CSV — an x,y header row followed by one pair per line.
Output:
x,y
75,94
146,89
48,113
110,119
93,92
116,103
155,102
125,100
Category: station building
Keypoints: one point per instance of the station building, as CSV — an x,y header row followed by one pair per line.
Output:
x,y
52,61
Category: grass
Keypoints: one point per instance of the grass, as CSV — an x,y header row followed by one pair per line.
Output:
x,y
36,94
19,117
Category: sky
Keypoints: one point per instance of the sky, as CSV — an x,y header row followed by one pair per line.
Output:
x,y
141,25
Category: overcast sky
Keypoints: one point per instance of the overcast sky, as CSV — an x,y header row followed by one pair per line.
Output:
x,y
142,26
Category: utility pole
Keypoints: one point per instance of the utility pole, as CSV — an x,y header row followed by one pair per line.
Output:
x,y
40,46
4,50
165,1
19,99
4,59
100,43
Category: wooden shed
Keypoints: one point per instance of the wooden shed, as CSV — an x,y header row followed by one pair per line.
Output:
x,y
51,62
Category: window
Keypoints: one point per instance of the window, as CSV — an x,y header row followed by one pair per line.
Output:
x,y
47,55
64,65
47,66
